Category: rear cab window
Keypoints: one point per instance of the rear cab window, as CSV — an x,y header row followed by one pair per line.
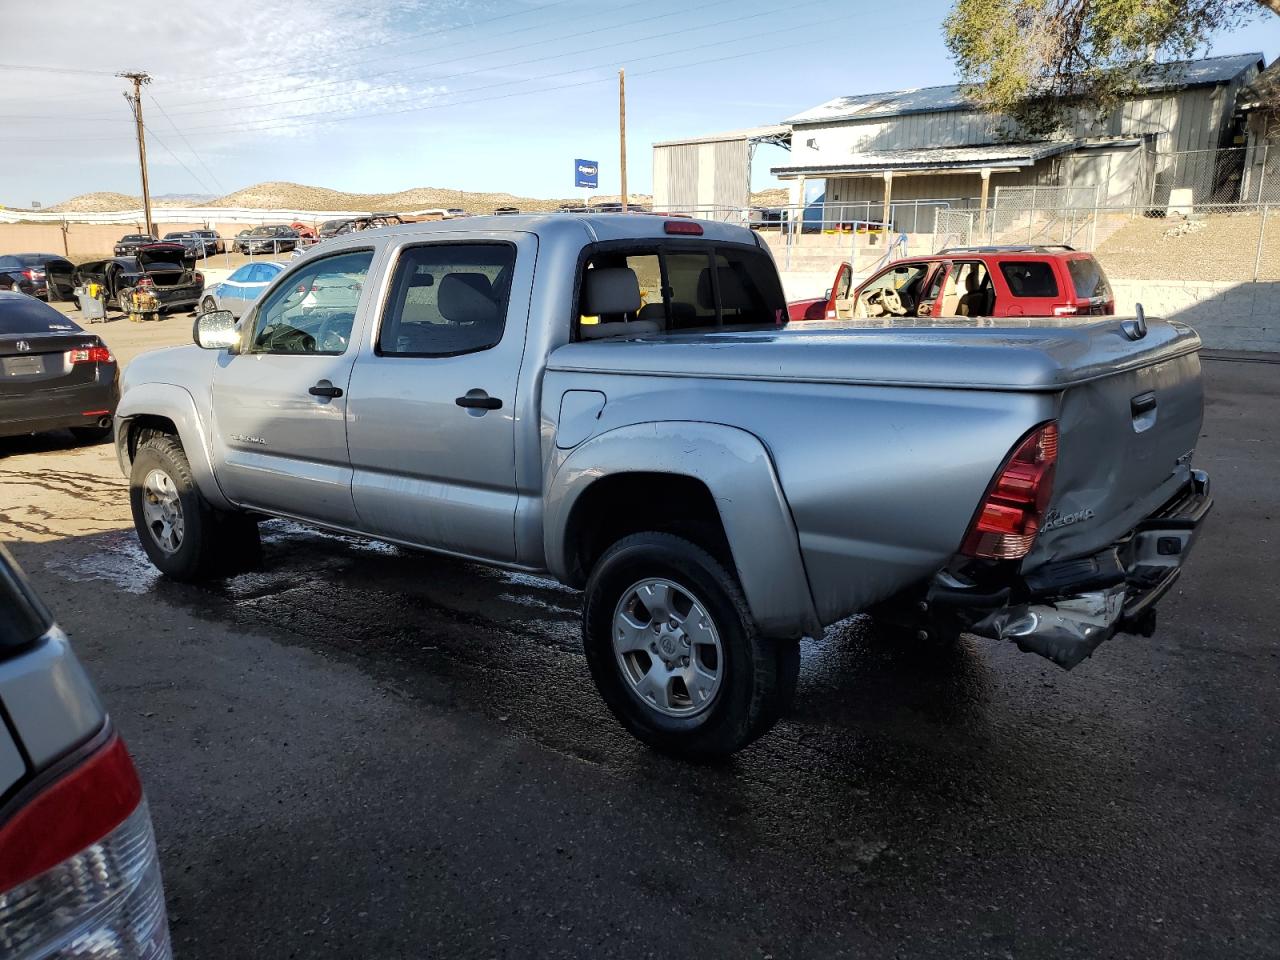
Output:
x,y
681,286
1030,278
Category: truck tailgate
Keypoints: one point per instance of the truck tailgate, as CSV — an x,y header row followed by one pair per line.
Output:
x,y
1124,449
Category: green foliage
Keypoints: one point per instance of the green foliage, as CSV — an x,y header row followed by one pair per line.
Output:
x,y
1036,61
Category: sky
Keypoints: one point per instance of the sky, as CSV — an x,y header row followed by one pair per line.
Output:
x,y
377,96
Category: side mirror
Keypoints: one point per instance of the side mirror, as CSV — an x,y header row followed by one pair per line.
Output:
x,y
827,295
216,330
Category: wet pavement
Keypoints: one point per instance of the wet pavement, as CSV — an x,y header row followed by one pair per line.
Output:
x,y
359,751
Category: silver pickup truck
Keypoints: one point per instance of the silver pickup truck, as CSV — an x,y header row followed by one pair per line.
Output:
x,y
617,400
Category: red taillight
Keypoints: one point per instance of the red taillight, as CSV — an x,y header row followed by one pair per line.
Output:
x,y
1006,524
90,355
75,811
687,227
33,275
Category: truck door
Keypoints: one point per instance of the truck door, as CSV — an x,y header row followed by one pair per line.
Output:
x,y
432,415
280,405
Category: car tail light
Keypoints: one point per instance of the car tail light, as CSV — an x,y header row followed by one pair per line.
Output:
x,y
687,227
79,875
199,277
1009,518
90,355
33,275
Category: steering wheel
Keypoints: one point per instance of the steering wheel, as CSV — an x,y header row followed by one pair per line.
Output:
x,y
888,300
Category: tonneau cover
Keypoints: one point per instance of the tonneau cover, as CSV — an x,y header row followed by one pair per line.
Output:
x,y
1013,353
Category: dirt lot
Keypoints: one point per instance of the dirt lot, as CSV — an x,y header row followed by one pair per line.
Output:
x,y
359,752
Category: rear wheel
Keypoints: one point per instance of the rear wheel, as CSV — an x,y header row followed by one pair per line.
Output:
x,y
183,536
675,653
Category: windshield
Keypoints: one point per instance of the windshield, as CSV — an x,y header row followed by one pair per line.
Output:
x,y
135,238
261,231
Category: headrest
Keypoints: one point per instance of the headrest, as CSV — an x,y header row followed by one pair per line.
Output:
x,y
610,290
733,296
971,281
422,280
466,298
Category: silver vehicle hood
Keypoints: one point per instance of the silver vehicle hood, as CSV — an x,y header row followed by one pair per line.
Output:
x,y
1014,353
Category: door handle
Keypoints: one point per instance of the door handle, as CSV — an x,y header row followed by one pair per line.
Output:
x,y
478,400
325,389
1142,403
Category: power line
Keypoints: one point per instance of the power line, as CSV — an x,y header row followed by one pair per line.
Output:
x,y
413,36
519,93
204,186
487,53
36,68
199,159
628,42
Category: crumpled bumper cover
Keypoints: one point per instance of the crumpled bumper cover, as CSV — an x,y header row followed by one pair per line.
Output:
x,y
1064,612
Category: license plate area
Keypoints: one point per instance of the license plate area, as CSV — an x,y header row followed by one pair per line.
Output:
x,y
22,366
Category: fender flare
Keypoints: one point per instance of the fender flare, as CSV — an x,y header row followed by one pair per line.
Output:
x,y
738,470
173,403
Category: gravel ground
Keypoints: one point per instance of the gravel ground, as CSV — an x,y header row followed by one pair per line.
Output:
x,y
358,752
1224,249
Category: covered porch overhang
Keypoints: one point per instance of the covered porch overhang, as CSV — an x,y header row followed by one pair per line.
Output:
x,y
985,161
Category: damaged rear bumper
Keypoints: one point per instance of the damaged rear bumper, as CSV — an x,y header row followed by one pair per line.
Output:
x,y
1064,610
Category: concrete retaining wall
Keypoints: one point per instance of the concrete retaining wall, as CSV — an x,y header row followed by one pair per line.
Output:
x,y
1228,316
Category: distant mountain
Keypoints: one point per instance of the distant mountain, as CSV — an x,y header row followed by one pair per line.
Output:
x,y
279,195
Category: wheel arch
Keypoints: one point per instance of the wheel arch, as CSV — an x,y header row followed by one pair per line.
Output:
x,y
713,484
167,408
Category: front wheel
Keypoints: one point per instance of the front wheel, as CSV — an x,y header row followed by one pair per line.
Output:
x,y
208,305
675,653
183,536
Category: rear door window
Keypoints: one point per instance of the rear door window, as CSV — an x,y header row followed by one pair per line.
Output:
x,y
1088,279
447,299
1031,278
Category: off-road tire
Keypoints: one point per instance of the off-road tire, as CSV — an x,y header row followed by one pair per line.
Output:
x,y
759,672
214,543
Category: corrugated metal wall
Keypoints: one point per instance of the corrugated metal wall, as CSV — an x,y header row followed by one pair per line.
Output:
x,y
690,177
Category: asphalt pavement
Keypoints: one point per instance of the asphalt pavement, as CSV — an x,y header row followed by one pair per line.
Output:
x,y
357,751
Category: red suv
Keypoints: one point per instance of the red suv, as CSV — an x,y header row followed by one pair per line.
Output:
x,y
1031,281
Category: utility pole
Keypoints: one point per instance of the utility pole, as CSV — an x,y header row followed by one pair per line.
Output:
x,y
140,77
622,132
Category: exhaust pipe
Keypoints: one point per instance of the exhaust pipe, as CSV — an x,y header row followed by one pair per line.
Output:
x,y
104,422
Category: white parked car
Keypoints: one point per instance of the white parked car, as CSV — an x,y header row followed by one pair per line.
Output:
x,y
238,292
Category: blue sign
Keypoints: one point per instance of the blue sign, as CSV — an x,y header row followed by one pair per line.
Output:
x,y
586,173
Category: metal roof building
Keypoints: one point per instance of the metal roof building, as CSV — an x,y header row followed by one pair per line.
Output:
x,y
932,145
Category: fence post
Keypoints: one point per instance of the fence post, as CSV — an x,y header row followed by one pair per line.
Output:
x,y
1257,256
1262,177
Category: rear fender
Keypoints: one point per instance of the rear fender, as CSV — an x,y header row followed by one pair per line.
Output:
x,y
175,404
735,466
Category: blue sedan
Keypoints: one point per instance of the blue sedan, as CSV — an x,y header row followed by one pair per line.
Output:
x,y
238,292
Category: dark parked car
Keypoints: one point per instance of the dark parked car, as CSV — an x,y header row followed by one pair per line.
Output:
x,y
337,228
79,874
271,238
45,275
505,211
193,243
169,266
213,242
52,373
128,245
